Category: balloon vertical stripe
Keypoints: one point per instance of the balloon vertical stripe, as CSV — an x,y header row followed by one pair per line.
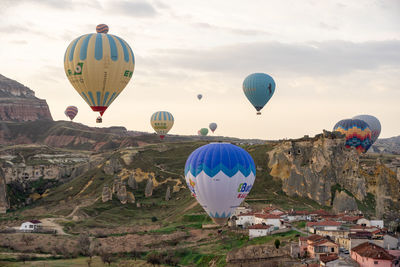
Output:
x,y
84,47
113,48
126,53
72,50
98,48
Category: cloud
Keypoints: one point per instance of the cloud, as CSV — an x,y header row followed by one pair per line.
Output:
x,y
312,58
238,31
133,8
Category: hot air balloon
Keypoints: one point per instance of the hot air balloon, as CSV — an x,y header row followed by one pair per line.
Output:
x,y
373,124
213,126
199,96
258,88
220,176
162,122
99,66
198,132
203,131
71,112
358,134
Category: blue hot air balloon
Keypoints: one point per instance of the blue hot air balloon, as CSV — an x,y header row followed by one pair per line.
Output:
x,y
220,176
258,88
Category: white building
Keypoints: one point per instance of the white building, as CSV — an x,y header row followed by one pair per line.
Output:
x,y
268,219
258,230
30,226
245,220
377,223
241,210
300,215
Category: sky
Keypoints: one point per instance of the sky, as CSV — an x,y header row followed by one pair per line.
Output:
x,y
331,60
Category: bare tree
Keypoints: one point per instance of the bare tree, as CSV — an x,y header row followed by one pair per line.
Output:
x,y
27,239
23,257
84,244
106,257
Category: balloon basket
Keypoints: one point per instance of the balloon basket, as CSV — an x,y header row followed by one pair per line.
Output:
x,y
258,113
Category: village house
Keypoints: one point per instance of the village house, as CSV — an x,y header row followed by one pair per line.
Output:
x,y
323,225
273,211
342,262
268,219
241,210
258,230
349,219
368,254
245,220
333,234
299,215
370,223
325,259
30,226
315,245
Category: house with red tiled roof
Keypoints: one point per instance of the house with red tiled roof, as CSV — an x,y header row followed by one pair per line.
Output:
x,y
315,246
324,259
258,230
349,219
323,225
368,254
298,215
273,211
245,220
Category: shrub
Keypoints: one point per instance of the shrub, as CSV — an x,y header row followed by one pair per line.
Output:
x,y
154,219
277,243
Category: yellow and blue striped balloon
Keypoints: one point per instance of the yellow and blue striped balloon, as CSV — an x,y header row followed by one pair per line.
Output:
x,y
162,122
99,66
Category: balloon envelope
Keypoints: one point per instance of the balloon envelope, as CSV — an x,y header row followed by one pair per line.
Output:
x,y
71,112
213,126
220,176
258,88
358,134
162,122
99,66
203,131
373,124
199,96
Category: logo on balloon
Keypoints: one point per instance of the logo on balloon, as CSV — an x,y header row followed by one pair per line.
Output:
x,y
78,68
244,188
191,187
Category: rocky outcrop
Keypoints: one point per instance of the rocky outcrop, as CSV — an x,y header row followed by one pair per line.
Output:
x,y
131,197
149,188
168,194
132,182
112,166
18,103
122,195
106,195
343,202
4,202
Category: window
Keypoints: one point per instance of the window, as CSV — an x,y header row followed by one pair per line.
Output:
x,y
332,249
31,226
375,262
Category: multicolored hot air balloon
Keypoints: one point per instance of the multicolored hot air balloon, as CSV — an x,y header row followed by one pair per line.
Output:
x,y
212,126
199,96
71,112
358,134
203,131
258,88
373,124
220,176
99,66
162,122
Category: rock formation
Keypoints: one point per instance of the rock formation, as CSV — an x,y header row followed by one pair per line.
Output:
x,y
116,184
122,195
18,103
131,197
112,166
343,202
168,194
132,182
106,195
4,202
149,188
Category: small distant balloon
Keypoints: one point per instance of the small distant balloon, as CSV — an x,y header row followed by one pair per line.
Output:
x,y
213,126
373,124
203,131
71,112
199,96
358,134
258,88
162,122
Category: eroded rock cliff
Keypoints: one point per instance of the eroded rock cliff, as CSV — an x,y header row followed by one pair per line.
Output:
x,y
18,103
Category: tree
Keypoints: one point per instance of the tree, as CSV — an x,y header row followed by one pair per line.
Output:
x,y
84,244
154,258
277,243
23,257
135,254
27,239
106,257
154,219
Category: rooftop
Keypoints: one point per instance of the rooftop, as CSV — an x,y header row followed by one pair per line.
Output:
x,y
373,251
324,223
259,226
328,258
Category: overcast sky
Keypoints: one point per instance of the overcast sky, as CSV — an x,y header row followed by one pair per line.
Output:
x,y
330,60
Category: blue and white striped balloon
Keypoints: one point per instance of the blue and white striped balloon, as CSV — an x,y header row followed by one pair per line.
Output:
x,y
220,176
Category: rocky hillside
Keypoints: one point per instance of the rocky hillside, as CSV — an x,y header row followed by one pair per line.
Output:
x,y
322,169
18,103
387,145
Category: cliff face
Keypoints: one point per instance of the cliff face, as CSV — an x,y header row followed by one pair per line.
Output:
x,y
4,202
321,167
18,103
